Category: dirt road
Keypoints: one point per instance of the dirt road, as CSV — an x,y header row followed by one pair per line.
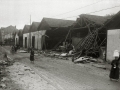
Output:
x,y
64,75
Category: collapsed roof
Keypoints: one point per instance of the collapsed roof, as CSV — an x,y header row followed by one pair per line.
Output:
x,y
90,20
88,27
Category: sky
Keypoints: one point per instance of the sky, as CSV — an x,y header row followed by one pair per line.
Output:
x,y
17,12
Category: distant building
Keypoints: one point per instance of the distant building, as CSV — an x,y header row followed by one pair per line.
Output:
x,y
7,34
26,37
19,38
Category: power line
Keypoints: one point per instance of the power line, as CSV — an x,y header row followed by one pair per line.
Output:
x,y
104,9
70,17
94,11
77,8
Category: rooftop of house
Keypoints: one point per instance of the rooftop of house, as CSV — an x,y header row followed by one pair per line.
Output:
x,y
58,22
114,22
26,29
100,20
34,26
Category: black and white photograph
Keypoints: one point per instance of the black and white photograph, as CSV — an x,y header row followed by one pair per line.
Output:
x,y
59,44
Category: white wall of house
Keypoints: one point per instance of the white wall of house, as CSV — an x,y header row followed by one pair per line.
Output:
x,y
26,35
113,42
38,36
16,38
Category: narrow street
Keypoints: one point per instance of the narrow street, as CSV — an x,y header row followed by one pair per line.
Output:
x,y
64,75
60,45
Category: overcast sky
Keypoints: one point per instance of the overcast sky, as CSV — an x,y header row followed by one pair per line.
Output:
x,y
17,12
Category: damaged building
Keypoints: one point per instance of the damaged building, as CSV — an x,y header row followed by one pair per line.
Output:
x,y
88,36
53,32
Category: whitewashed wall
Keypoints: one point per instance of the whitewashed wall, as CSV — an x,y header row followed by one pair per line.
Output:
x,y
113,43
38,36
26,35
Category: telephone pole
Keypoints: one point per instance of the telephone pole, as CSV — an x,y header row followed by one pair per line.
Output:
x,y
30,34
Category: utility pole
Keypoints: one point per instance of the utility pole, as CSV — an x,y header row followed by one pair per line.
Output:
x,y
30,34
30,19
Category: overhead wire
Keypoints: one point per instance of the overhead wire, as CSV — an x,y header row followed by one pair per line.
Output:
x,y
104,9
94,11
77,8
90,13
99,10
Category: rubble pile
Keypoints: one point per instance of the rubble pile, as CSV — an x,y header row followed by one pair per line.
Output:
x,y
3,73
55,54
85,60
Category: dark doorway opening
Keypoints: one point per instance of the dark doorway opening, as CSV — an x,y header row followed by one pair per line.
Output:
x,y
25,42
33,41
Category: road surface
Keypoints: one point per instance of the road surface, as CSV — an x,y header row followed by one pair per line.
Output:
x,y
65,75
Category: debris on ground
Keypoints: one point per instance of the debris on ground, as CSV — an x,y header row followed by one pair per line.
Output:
x,y
22,51
81,60
4,63
2,85
4,79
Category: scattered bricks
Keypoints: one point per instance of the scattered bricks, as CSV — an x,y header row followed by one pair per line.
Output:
x,y
2,85
27,69
32,72
4,79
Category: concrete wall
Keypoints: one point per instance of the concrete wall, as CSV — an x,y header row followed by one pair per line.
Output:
x,y
38,38
26,35
113,42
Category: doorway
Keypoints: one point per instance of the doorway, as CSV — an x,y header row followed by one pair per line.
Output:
x,y
25,42
33,41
